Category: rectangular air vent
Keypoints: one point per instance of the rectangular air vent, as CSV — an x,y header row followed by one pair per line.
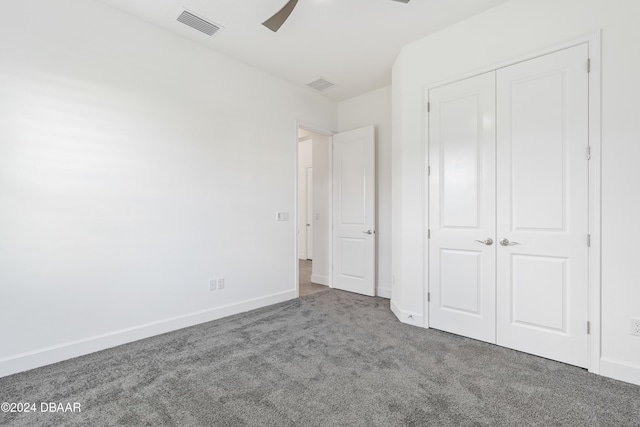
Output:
x,y
198,23
321,84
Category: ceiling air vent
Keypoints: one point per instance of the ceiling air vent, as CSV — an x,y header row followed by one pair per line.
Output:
x,y
198,23
321,84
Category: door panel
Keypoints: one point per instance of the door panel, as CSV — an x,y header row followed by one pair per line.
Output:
x,y
462,207
537,150
459,140
542,209
539,282
354,211
460,280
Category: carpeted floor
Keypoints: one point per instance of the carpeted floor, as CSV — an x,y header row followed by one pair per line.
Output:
x,y
328,359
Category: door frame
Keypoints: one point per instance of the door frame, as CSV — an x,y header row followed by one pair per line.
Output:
x,y
309,211
301,124
594,43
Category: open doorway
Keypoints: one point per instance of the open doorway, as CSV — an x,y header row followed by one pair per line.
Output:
x,y
314,211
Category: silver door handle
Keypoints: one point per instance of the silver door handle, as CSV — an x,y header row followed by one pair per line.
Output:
x,y
369,232
487,242
506,242
308,225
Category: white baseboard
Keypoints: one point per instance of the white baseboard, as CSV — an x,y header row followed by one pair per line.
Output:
x,y
619,370
46,356
320,280
395,310
407,317
384,293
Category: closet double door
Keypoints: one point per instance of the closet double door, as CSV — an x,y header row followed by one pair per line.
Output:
x,y
508,206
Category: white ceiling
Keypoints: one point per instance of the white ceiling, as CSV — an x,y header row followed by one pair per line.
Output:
x,y
352,43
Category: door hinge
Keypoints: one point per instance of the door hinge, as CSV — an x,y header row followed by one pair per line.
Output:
x,y
589,240
428,107
589,152
589,65
428,296
428,233
588,328
428,170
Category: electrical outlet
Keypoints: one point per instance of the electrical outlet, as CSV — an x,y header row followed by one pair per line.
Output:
x,y
635,327
213,284
221,283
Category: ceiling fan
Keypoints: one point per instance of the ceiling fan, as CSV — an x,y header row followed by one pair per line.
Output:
x,y
275,22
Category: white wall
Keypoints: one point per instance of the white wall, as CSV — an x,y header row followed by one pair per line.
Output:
x,y
321,266
305,160
134,167
374,108
517,28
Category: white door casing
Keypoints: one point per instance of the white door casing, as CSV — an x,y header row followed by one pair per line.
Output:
x,y
305,160
354,211
309,213
543,205
462,207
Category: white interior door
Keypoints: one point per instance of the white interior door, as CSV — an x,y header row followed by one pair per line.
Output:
x,y
518,176
354,211
309,216
462,208
542,211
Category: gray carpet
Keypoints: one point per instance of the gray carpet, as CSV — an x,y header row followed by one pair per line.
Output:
x,y
328,359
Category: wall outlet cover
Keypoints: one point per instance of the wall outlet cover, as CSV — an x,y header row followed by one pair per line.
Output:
x,y
221,283
635,327
213,285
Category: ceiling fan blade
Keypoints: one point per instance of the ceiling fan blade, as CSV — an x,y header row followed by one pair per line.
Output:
x,y
275,22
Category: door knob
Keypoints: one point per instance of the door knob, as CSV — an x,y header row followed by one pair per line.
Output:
x,y
368,232
506,242
487,242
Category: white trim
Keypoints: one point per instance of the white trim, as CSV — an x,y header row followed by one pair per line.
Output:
x,y
595,194
320,280
313,128
408,317
48,355
395,310
594,41
619,370
592,38
330,216
424,142
384,293
296,162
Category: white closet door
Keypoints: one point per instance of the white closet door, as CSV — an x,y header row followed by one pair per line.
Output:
x,y
542,210
462,208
